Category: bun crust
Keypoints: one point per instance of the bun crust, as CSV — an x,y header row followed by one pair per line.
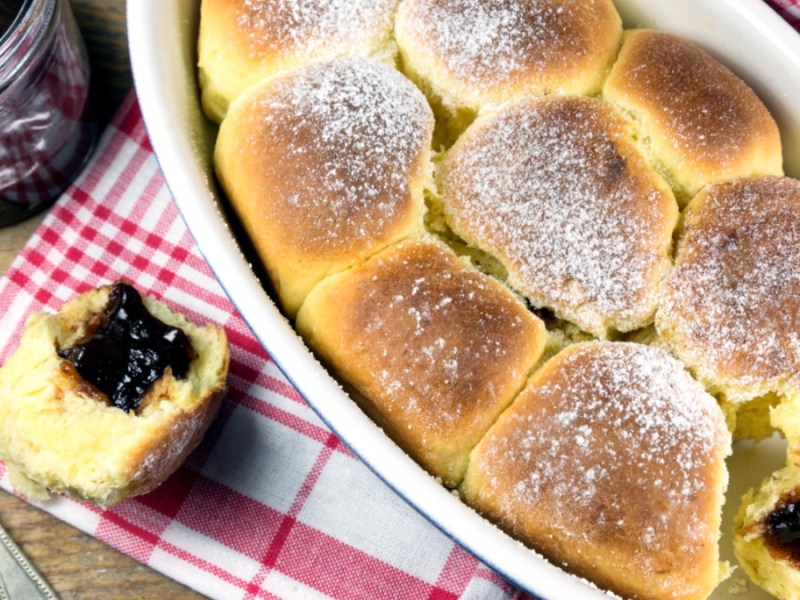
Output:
x,y
325,167
557,191
434,349
471,53
242,42
611,462
702,123
56,433
731,308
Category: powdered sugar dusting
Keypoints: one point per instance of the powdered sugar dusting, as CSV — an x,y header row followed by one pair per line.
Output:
x,y
346,138
286,27
701,102
436,348
461,337
612,441
489,41
704,123
570,208
731,308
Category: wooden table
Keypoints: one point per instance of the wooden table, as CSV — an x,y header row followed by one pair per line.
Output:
x,y
75,564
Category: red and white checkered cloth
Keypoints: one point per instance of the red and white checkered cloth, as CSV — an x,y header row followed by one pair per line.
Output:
x,y
272,504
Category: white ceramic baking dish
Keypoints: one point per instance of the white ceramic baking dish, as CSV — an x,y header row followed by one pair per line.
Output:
x,y
745,34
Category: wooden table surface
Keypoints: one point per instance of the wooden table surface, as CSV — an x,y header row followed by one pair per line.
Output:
x,y
75,564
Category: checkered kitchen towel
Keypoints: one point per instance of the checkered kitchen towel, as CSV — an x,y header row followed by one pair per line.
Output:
x,y
272,504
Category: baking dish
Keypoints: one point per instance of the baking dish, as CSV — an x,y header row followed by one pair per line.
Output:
x,y
744,34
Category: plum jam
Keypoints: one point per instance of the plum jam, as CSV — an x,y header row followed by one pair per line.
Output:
x,y
782,532
129,350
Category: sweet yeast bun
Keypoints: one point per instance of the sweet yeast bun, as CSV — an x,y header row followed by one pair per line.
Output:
x,y
558,192
730,309
242,42
767,534
611,462
434,349
699,121
58,432
325,166
467,54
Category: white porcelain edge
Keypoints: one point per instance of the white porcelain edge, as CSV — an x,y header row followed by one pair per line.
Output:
x,y
171,115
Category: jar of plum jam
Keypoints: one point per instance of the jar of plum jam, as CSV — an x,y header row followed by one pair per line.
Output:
x,y
46,128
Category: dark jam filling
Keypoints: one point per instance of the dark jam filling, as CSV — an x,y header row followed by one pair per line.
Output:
x,y
782,533
129,350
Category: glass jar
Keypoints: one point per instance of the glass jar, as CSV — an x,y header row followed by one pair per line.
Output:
x,y
46,128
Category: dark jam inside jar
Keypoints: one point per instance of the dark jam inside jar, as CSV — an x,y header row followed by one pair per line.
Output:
x,y
9,9
47,128
782,530
129,350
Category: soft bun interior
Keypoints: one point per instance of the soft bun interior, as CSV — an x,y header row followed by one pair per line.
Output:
x,y
57,433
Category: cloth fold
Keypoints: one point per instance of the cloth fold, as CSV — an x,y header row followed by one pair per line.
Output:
x,y
272,504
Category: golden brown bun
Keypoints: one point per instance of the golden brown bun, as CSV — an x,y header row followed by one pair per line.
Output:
x,y
731,308
435,349
700,122
770,563
467,54
556,190
612,463
56,433
324,167
242,42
